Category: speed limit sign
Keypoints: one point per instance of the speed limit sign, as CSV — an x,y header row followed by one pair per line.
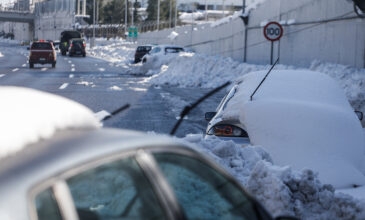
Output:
x,y
273,31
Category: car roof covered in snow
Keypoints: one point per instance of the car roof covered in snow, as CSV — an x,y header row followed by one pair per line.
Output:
x,y
304,119
28,116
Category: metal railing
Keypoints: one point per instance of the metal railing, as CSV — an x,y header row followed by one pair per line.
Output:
x,y
118,30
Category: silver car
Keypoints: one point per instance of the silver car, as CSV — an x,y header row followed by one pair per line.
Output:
x,y
118,174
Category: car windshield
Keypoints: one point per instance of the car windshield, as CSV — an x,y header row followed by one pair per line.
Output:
x,y
41,45
223,104
156,50
173,49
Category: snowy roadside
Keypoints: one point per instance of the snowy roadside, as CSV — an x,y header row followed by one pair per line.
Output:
x,y
199,70
281,189
119,52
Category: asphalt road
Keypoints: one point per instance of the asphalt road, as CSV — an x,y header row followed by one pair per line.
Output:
x,y
99,85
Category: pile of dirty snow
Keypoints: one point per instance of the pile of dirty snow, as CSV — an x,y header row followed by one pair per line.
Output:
x,y
281,190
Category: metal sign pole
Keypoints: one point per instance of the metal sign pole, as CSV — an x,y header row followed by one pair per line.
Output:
x,y
272,52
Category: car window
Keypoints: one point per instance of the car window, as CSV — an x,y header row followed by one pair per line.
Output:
x,y
203,192
144,49
117,190
46,206
173,49
156,50
41,46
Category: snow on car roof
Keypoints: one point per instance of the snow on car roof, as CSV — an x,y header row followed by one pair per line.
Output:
x,y
302,118
28,115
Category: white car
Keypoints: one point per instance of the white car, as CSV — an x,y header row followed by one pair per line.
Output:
x,y
57,163
302,118
162,50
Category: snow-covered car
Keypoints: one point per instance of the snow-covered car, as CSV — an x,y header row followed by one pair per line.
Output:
x,y
301,118
57,163
161,50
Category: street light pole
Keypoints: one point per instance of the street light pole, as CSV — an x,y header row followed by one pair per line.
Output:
x,y
170,14
158,15
175,14
93,39
125,18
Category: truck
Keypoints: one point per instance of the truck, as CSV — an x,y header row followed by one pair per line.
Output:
x,y
66,36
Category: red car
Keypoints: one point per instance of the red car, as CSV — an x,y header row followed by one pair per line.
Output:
x,y
42,52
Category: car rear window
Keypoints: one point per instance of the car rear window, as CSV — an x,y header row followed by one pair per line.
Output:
x,y
173,49
144,49
43,45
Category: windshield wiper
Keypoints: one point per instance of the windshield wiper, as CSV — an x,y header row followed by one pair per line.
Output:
x,y
188,108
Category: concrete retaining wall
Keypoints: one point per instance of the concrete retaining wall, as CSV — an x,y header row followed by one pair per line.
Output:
x,y
317,31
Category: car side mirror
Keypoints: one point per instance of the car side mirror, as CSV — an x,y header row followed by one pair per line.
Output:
x,y
286,218
360,115
28,48
210,115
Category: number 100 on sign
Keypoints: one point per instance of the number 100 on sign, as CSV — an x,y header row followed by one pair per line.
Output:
x,y
273,31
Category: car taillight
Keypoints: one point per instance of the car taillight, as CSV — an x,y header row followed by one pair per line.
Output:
x,y
71,45
227,131
84,45
30,53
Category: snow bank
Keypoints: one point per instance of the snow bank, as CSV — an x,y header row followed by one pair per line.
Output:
x,y
285,115
28,116
116,51
281,190
199,70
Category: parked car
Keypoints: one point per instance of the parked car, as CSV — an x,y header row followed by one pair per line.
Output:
x,y
301,118
141,51
77,47
58,164
42,52
162,50
66,36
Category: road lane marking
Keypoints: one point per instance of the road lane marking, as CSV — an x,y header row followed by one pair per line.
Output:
x,y
63,86
69,61
101,69
24,65
72,69
71,76
44,69
72,65
16,69
1,75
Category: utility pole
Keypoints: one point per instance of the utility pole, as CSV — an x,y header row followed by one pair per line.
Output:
x,y
243,6
158,15
206,10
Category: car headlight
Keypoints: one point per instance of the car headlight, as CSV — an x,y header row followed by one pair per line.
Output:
x,y
227,131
